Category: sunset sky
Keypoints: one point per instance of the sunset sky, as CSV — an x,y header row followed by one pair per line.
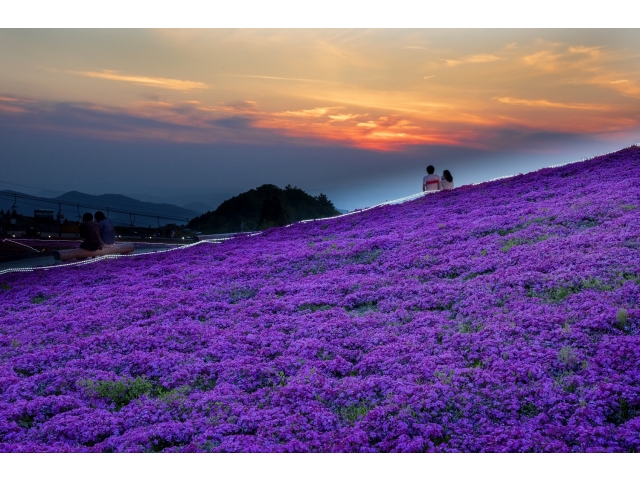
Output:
x,y
201,115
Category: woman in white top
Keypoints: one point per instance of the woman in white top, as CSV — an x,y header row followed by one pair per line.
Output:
x,y
446,182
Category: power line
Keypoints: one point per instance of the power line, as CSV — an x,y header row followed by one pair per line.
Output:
x,y
65,210
32,188
158,209
91,206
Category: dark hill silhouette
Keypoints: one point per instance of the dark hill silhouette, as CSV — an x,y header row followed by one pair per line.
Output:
x,y
264,207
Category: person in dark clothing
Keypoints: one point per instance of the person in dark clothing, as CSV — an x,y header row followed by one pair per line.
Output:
x,y
90,232
107,234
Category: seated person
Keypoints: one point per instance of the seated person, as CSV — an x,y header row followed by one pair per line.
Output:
x,y
90,232
431,181
447,180
107,234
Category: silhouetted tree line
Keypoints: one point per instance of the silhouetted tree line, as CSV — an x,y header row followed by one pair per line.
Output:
x,y
264,207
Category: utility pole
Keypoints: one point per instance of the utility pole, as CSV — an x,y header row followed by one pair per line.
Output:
x,y
59,216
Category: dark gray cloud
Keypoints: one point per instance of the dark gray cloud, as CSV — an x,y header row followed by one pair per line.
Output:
x,y
233,122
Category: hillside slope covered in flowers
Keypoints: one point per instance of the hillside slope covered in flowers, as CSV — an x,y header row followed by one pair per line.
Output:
x,y
498,317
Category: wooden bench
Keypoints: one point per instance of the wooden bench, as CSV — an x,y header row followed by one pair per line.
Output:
x,y
79,253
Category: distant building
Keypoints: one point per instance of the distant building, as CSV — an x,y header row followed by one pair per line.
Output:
x,y
43,213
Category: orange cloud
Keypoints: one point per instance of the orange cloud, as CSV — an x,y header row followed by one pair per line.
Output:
x,y
11,108
344,117
546,60
593,52
481,58
14,105
624,86
268,77
159,82
559,58
311,113
546,103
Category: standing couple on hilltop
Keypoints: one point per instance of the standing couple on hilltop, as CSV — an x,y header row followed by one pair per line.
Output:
x,y
434,182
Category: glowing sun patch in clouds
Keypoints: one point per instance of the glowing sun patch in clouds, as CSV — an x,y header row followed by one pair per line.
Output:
x,y
159,82
334,124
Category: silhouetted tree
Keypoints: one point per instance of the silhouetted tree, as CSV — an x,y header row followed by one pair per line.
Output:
x,y
272,215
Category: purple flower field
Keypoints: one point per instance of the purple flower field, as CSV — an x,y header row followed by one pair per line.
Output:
x,y
497,317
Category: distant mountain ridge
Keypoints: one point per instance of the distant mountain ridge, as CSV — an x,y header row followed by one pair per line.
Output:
x,y
199,207
115,205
